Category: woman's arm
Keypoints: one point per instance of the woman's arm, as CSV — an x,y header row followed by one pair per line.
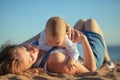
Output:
x,y
35,38
89,60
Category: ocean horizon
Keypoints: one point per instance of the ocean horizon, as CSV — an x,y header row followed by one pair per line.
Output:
x,y
114,52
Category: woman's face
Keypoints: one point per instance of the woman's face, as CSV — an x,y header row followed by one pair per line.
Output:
x,y
27,54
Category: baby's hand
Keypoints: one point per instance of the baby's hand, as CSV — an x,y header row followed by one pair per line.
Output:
x,y
71,64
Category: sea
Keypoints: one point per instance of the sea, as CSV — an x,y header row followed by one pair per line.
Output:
x,y
114,52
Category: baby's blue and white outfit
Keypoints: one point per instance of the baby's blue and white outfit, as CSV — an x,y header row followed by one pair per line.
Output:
x,y
70,47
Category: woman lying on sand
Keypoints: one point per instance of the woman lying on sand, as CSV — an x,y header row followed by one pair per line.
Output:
x,y
18,58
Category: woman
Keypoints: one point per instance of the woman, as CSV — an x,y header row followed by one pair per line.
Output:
x,y
16,59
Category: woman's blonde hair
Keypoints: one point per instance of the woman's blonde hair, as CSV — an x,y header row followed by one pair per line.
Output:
x,y
8,61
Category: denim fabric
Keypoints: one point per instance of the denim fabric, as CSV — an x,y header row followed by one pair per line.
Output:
x,y
96,43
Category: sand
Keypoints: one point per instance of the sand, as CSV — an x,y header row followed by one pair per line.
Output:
x,y
39,74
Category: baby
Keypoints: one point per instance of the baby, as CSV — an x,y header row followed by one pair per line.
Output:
x,y
55,35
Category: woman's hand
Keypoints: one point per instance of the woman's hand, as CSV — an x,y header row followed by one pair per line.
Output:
x,y
73,34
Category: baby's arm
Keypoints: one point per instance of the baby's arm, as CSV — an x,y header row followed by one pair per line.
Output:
x,y
71,49
72,52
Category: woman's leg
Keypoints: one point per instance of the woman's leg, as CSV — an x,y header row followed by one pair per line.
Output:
x,y
89,25
92,25
80,25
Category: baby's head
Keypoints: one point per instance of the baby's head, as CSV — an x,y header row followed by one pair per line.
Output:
x,y
55,31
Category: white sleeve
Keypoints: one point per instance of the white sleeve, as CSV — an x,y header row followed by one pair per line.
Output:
x,y
71,48
42,42
41,39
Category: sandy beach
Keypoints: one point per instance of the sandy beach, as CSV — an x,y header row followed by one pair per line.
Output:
x,y
39,74
102,74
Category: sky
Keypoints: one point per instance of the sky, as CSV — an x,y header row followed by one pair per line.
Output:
x,y
23,19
